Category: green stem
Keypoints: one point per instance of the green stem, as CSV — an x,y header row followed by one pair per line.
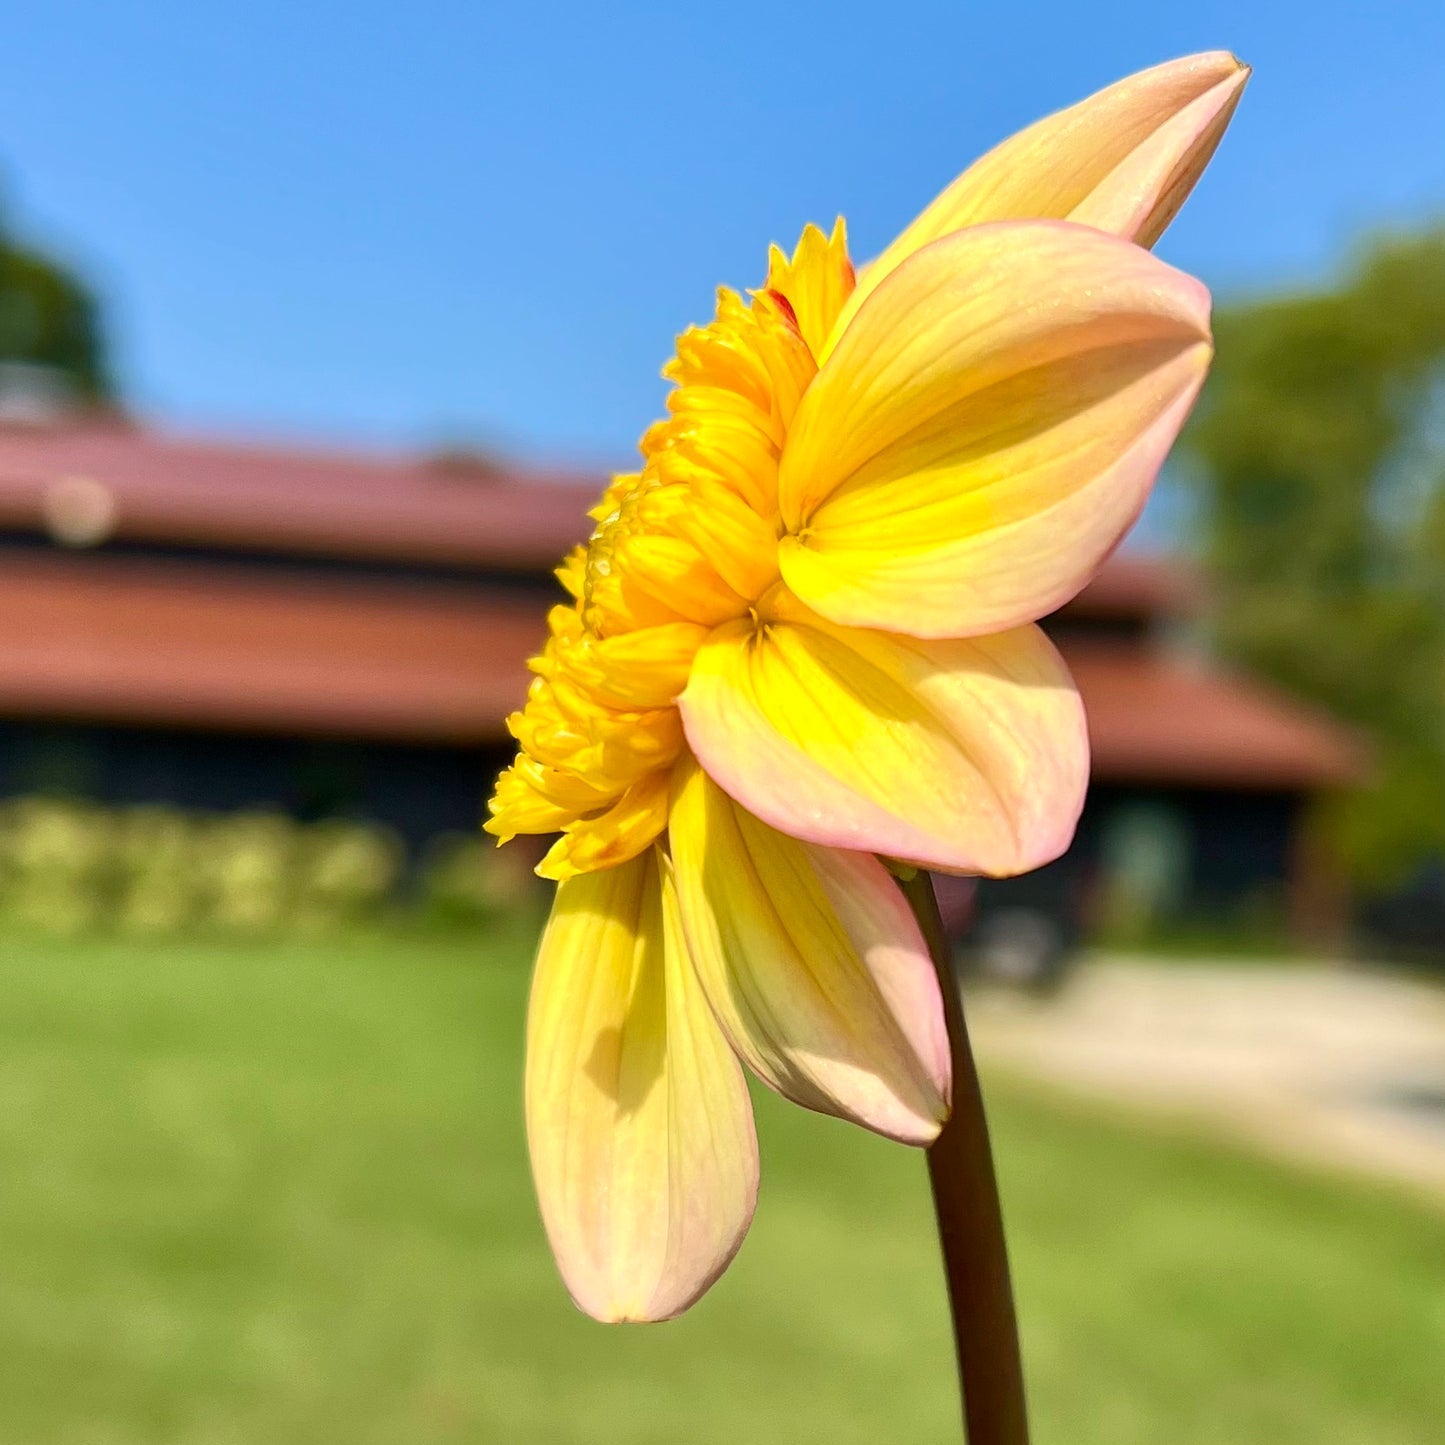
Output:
x,y
970,1223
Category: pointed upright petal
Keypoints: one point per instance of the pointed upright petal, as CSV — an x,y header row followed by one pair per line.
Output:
x,y
988,428
1123,160
638,1118
815,282
813,964
964,755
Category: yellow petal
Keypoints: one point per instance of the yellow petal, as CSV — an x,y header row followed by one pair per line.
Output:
x,y
813,964
988,428
612,836
969,756
646,668
737,542
1123,160
816,281
675,573
532,798
638,1118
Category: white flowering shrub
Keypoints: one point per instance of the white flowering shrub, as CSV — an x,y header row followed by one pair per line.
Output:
x,y
70,867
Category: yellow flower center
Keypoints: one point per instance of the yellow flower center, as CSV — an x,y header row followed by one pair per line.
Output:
x,y
684,545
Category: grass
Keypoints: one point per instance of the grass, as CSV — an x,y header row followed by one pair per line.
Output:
x,y
278,1196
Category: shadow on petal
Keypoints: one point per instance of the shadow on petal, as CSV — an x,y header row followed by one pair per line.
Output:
x,y
813,964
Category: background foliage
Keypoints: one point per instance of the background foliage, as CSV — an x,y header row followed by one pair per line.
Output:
x,y
49,318
69,867
1318,462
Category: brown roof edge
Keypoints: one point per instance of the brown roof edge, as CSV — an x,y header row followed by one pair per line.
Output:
x,y
441,510
166,489
1158,718
1133,585
182,644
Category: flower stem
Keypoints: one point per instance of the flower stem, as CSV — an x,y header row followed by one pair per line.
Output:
x,y
970,1223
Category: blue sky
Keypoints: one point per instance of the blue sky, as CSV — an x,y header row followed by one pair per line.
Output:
x,y
485,222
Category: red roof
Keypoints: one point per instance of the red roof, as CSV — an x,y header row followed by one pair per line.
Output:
x,y
201,643
1154,718
160,489
1130,586
190,645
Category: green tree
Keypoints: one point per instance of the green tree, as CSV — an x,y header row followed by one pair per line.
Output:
x,y
1319,459
49,318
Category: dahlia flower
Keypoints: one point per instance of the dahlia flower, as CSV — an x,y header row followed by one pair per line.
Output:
x,y
802,641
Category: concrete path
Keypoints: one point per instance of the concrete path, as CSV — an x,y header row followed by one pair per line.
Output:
x,y
1331,1065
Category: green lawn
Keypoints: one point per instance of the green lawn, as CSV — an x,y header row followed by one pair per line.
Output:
x,y
278,1196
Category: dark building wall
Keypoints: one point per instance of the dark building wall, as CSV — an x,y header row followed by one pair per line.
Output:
x,y
419,791
1212,855
1234,842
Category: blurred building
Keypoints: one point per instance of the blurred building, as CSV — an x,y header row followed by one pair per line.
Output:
x,y
223,626
1203,778
226,626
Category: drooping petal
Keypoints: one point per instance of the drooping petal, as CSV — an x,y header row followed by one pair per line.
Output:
x,y
638,1118
1123,160
964,755
624,830
813,964
988,428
